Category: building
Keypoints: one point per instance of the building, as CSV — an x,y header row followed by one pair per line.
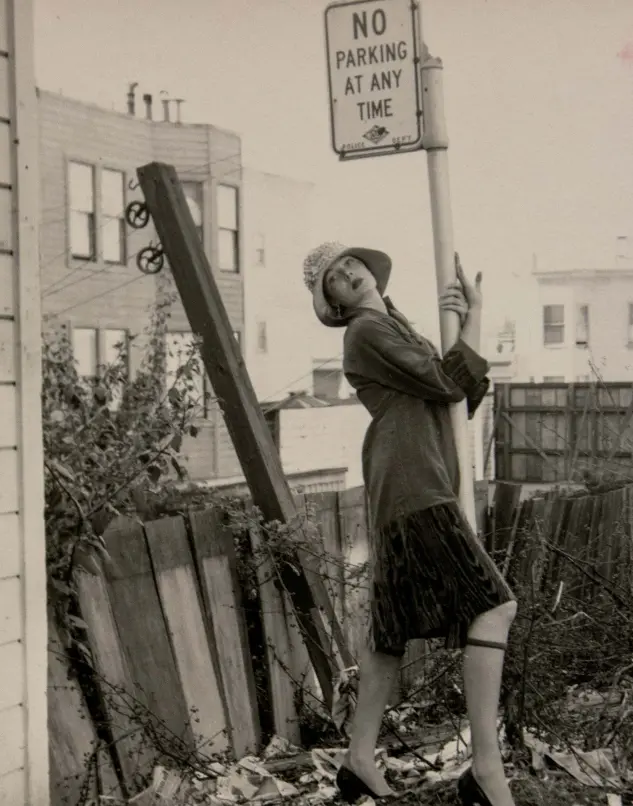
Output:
x,y
23,622
91,284
582,327
277,223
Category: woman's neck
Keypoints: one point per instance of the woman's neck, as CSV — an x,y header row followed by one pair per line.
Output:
x,y
374,302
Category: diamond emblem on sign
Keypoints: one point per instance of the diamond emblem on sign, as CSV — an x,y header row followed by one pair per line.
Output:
x,y
376,134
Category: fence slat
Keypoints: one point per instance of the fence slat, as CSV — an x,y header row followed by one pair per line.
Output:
x,y
355,547
625,558
215,555
143,631
72,737
278,646
504,510
134,756
180,598
326,507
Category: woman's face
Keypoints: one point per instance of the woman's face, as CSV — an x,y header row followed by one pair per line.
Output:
x,y
348,281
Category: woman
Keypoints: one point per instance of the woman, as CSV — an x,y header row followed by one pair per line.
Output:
x,y
430,575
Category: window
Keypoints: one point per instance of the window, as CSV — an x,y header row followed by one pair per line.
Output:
x,y
553,379
630,327
582,326
112,222
553,324
81,182
85,344
583,378
184,370
260,250
193,195
228,232
262,338
115,346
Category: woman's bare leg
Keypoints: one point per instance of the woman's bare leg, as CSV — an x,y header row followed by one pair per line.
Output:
x,y
483,667
377,677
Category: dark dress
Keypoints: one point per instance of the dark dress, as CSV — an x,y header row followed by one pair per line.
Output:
x,y
430,574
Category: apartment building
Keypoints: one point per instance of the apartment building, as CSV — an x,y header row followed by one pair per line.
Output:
x,y
90,281
23,623
581,328
277,225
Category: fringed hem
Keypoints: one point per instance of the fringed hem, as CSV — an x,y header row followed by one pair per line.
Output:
x,y
431,577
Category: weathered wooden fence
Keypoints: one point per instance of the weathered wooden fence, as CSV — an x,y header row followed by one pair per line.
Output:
x,y
561,432
582,541
168,630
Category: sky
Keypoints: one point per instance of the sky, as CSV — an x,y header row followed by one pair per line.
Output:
x,y
539,106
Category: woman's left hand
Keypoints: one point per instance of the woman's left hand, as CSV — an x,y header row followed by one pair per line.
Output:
x,y
454,299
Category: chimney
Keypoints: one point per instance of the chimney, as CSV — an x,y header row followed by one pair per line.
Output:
x,y
179,102
131,99
147,98
165,102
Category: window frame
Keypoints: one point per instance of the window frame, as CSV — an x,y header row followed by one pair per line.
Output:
x,y
100,331
261,328
582,323
555,323
184,181
206,390
102,216
235,232
630,324
92,215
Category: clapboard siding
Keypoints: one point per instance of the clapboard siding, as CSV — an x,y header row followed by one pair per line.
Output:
x,y
185,146
7,284
199,453
12,659
9,545
12,741
228,463
11,613
23,630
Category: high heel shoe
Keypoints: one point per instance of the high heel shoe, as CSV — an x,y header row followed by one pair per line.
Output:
x,y
469,791
352,788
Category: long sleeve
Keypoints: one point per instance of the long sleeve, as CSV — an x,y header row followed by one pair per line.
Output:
x,y
463,363
376,351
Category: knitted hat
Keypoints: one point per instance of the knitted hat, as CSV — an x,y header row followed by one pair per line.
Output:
x,y
319,261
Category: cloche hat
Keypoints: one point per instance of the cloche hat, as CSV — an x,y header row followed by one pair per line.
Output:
x,y
319,261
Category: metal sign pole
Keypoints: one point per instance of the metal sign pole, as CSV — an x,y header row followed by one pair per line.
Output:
x,y
435,143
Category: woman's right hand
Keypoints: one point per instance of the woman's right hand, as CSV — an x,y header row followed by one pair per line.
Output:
x,y
472,291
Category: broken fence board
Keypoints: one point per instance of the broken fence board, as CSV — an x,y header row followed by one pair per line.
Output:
x,y
215,556
143,631
72,737
355,550
506,503
131,747
278,645
178,589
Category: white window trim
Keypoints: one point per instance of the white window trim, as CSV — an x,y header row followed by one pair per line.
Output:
x,y
100,215
97,168
558,344
238,232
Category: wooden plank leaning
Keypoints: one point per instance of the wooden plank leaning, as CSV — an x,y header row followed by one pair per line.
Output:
x,y
251,436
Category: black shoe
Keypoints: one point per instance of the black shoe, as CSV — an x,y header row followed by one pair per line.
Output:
x,y
469,791
352,788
